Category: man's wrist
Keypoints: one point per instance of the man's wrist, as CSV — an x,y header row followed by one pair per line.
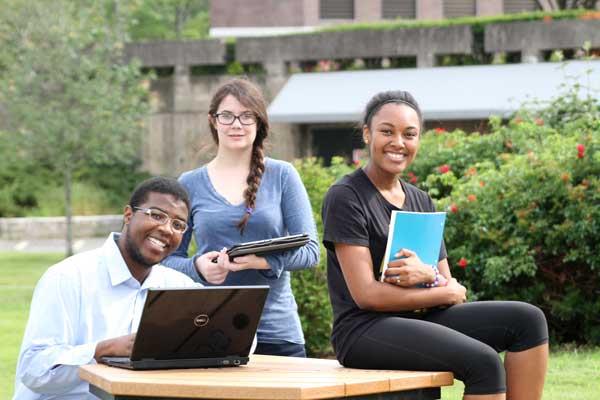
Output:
x,y
101,349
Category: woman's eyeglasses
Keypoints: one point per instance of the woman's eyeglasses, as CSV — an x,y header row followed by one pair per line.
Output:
x,y
227,118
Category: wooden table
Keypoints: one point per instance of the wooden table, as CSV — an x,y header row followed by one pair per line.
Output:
x,y
265,377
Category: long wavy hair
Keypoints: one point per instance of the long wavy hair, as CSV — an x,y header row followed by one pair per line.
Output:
x,y
251,97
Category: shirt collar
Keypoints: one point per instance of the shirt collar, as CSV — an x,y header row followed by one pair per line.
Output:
x,y
115,264
117,268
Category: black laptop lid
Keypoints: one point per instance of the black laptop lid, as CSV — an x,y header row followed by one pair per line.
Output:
x,y
199,322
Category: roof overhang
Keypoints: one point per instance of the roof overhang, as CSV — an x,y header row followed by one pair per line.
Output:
x,y
444,93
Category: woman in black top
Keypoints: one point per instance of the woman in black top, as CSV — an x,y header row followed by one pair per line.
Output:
x,y
399,324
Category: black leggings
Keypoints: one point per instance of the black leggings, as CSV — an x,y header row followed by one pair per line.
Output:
x,y
464,339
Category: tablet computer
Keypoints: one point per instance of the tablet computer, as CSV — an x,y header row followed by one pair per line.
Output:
x,y
262,247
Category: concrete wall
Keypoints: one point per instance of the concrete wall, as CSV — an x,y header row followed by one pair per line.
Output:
x,y
531,37
56,227
424,43
171,53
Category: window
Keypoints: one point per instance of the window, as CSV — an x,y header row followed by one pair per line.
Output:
x,y
517,6
405,9
458,8
337,9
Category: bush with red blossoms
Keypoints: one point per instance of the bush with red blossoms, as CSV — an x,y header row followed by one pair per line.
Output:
x,y
523,206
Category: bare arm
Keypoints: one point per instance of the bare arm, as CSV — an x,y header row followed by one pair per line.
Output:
x,y
444,268
370,294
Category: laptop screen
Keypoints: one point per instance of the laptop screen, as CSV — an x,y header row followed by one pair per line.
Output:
x,y
199,322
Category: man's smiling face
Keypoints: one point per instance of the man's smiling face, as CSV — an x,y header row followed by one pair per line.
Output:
x,y
146,241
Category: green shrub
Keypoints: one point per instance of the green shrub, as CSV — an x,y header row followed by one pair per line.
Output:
x,y
310,286
30,188
523,208
529,229
88,199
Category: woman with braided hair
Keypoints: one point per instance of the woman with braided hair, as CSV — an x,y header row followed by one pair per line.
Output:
x,y
418,318
242,196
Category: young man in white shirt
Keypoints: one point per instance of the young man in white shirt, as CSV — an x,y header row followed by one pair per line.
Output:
x,y
89,305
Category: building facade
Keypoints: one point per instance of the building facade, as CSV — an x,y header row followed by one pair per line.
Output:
x,y
235,18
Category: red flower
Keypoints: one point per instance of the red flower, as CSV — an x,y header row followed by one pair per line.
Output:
x,y
518,120
453,208
481,183
412,178
444,169
547,18
463,263
471,197
539,122
580,150
439,130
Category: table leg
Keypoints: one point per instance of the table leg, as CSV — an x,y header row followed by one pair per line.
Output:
x,y
417,394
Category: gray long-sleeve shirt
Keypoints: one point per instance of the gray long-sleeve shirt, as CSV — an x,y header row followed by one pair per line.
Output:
x,y
282,208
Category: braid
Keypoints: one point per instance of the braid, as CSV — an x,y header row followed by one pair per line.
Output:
x,y
257,168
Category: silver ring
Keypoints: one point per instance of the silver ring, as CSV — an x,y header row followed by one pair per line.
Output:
x,y
397,279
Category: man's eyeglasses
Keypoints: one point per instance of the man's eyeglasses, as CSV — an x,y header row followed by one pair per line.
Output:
x,y
162,218
227,118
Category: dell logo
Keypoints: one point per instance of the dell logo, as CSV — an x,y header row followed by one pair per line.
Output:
x,y
201,320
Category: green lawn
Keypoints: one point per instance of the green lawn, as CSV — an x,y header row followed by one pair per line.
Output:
x,y
18,275
574,373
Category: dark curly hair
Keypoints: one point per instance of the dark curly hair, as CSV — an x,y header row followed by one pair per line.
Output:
x,y
393,96
159,184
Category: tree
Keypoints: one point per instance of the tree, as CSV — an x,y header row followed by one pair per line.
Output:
x,y
171,19
68,98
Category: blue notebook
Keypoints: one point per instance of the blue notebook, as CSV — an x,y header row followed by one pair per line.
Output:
x,y
416,231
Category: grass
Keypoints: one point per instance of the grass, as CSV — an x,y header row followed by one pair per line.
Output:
x,y
574,373
18,275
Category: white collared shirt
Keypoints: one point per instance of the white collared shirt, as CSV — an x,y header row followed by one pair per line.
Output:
x,y
77,303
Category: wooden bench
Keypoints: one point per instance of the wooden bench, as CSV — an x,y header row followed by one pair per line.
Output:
x,y
265,377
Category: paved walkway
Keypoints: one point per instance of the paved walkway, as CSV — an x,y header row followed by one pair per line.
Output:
x,y
49,245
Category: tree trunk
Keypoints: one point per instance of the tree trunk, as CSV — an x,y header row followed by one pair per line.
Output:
x,y
68,211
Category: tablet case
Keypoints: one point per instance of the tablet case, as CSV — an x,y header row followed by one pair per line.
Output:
x,y
262,247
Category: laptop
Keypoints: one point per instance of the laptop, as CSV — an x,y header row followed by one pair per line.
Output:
x,y
195,327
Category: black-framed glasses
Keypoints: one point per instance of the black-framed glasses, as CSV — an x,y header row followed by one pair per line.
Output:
x,y
227,118
162,218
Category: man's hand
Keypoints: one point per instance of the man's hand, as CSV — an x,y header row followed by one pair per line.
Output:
x,y
407,270
213,272
120,347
